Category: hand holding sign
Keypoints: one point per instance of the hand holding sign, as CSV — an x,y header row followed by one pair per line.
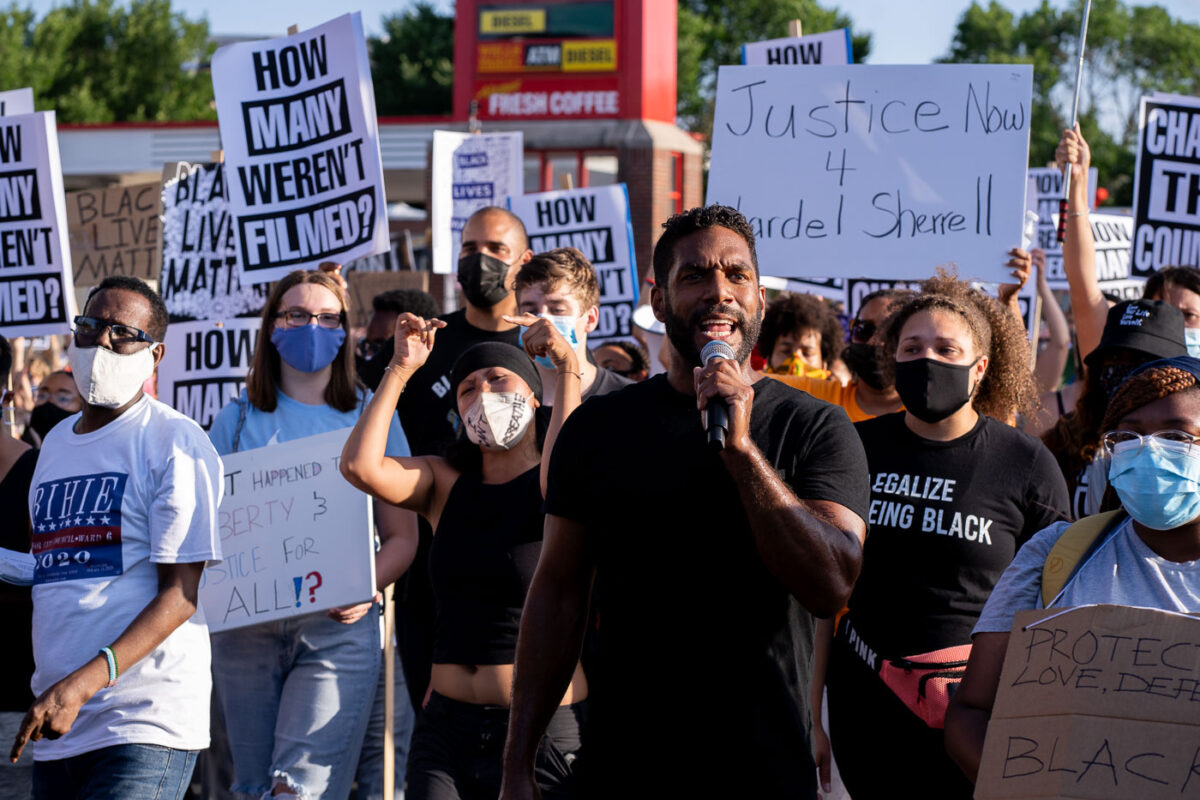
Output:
x,y
1021,263
1073,150
413,341
541,338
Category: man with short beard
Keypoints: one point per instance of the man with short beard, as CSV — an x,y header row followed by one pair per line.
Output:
x,y
711,590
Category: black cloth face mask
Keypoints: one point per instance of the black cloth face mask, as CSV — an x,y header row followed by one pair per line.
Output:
x,y
482,279
863,361
933,390
45,417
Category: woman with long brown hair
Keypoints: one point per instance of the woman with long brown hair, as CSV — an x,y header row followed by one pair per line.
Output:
x,y
297,693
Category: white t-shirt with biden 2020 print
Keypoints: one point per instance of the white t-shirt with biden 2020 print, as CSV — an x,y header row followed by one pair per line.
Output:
x,y
107,507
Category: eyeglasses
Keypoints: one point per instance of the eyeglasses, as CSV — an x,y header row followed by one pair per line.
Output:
x,y
62,398
298,318
1122,441
88,330
861,330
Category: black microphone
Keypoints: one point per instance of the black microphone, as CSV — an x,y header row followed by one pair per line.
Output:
x,y
716,423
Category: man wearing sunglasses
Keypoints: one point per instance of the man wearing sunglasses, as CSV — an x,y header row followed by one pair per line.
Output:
x,y
124,507
866,395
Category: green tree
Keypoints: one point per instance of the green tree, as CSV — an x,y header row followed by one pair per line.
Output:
x,y
1131,51
412,64
712,32
100,61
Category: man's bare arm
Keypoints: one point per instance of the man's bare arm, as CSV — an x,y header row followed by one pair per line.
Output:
x,y
53,714
552,628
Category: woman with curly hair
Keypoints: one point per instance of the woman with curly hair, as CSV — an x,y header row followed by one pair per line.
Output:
x,y
954,492
800,336
1146,555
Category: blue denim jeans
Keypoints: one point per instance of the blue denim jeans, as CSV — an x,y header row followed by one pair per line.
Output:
x,y
120,772
296,695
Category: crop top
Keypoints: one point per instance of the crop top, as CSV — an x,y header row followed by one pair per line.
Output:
x,y
484,552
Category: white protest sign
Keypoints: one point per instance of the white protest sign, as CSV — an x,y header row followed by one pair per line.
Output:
x,y
1166,194
296,537
1113,235
37,296
885,172
830,49
297,118
596,222
200,275
16,101
469,173
206,365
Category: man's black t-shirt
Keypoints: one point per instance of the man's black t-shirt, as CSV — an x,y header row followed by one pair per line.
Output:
x,y
945,519
427,410
706,657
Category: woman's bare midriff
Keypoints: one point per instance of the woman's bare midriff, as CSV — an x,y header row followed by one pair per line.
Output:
x,y
491,684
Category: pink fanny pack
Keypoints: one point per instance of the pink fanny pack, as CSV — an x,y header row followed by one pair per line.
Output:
x,y
926,682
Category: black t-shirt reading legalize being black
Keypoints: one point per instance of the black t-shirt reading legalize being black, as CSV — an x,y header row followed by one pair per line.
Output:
x,y
427,411
706,657
945,519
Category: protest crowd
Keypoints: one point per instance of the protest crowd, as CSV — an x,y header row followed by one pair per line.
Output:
x,y
771,545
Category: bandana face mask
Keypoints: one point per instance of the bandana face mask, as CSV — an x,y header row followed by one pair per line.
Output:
x,y
498,420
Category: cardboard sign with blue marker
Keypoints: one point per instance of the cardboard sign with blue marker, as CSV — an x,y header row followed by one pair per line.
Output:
x,y
596,222
470,172
37,295
301,137
830,49
297,537
885,172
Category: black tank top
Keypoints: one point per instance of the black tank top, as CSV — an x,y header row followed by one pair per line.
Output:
x,y
484,552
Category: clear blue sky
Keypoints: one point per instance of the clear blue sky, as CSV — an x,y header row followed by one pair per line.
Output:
x,y
904,31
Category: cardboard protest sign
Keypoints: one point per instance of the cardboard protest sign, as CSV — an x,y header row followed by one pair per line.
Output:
x,y
1167,185
297,118
830,49
1113,236
1096,702
1043,190
595,222
880,171
206,365
296,537
363,286
16,101
469,173
200,275
858,289
115,231
37,296
829,288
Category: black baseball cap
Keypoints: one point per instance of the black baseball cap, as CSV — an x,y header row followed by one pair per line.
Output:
x,y
1148,326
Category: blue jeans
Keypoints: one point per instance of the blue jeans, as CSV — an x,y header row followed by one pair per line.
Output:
x,y
370,761
120,772
296,695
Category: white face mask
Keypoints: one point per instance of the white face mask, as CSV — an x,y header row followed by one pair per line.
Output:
x,y
1192,336
110,379
498,420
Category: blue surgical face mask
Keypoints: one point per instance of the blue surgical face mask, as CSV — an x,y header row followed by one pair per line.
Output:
x,y
1159,484
565,326
1192,336
309,348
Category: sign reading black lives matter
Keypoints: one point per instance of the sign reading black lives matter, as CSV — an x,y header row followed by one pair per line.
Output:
x,y
301,138
882,171
37,296
208,365
596,222
1167,185
200,276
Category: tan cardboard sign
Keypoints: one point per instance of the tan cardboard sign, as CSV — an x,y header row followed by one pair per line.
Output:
x,y
365,285
1096,702
115,231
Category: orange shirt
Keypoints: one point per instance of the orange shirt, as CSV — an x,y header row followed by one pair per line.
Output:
x,y
830,391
